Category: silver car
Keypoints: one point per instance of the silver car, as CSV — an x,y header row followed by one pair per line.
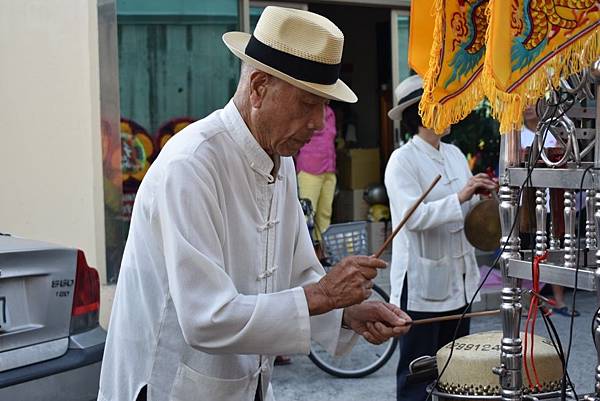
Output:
x,y
51,345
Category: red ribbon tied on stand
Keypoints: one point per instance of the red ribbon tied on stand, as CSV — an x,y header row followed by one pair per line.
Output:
x,y
531,317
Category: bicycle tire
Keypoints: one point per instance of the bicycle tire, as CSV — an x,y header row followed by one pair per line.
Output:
x,y
362,371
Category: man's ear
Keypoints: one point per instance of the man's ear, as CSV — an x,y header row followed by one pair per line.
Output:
x,y
259,81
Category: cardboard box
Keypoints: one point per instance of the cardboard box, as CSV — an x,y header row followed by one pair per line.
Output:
x,y
350,206
358,168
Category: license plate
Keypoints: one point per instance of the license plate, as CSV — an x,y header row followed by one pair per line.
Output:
x,y
4,321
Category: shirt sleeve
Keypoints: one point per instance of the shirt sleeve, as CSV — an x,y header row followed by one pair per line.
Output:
x,y
461,159
403,190
214,317
326,329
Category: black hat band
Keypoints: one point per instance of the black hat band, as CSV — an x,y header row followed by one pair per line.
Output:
x,y
412,95
294,66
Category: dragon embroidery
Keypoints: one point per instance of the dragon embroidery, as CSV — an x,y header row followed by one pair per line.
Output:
x,y
541,20
471,49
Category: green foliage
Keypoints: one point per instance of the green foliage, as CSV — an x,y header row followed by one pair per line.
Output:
x,y
478,135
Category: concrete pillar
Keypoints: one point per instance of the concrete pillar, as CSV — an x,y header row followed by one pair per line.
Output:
x,y
51,169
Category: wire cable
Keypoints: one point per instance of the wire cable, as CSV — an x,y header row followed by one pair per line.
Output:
x,y
554,337
530,168
577,266
435,383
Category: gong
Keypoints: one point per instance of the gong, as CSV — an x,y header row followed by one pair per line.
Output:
x,y
482,225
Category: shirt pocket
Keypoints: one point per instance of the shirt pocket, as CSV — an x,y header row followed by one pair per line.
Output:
x,y
456,240
434,278
190,385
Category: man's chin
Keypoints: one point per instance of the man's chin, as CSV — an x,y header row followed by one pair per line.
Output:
x,y
289,152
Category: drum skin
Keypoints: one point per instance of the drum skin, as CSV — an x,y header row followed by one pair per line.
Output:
x,y
469,372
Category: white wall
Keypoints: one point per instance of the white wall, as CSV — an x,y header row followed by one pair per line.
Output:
x,y
50,144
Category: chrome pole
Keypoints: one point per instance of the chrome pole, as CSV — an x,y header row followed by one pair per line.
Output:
x,y
541,213
595,73
590,223
511,351
570,237
596,323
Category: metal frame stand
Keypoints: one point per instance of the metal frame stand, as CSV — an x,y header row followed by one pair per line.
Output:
x,y
573,131
594,242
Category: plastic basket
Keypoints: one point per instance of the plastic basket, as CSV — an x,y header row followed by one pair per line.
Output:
x,y
341,240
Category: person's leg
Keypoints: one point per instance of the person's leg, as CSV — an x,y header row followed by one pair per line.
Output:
x,y
433,337
417,342
447,329
309,187
325,203
561,307
559,295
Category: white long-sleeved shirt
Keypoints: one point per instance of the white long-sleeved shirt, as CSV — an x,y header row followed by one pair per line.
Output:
x,y
432,247
210,284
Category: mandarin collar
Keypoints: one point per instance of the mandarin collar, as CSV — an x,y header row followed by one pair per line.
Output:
x,y
257,158
429,150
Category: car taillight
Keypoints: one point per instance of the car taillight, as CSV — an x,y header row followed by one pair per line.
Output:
x,y
86,298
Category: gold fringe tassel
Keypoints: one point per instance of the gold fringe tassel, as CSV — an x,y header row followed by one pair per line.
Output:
x,y
508,107
436,115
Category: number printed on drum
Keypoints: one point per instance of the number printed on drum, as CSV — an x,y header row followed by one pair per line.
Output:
x,y
475,347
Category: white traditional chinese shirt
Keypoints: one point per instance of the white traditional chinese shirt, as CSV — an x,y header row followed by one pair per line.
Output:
x,y
209,290
442,270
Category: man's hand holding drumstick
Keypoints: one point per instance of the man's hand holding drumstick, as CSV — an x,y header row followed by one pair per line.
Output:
x,y
349,283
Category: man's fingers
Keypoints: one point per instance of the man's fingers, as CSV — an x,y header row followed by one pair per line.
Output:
x,y
369,262
368,273
376,333
389,316
368,266
383,330
399,312
400,331
379,333
369,337
403,315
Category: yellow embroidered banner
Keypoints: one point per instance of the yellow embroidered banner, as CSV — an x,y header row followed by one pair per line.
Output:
x,y
420,37
452,84
531,43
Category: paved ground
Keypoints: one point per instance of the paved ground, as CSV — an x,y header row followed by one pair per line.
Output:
x,y
304,381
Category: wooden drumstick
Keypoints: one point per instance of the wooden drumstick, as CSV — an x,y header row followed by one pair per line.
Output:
x,y
406,217
454,317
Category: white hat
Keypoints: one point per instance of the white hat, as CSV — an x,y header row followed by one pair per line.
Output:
x,y
300,47
408,92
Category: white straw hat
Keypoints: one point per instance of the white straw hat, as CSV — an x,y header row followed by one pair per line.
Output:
x,y
300,47
408,92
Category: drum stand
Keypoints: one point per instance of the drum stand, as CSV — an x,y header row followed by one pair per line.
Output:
x,y
576,131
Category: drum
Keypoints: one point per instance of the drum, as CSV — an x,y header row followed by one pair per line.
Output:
x,y
441,396
469,374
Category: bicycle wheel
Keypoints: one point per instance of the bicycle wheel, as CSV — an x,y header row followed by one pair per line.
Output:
x,y
364,358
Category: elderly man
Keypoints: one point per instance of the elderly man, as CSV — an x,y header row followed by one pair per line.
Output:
x,y
219,274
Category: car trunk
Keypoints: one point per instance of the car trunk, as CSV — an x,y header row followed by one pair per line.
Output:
x,y
37,281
